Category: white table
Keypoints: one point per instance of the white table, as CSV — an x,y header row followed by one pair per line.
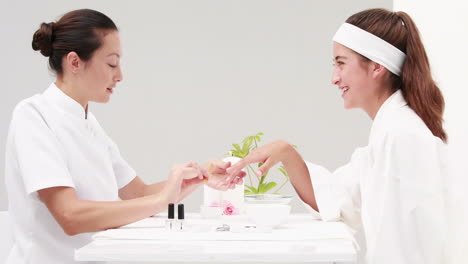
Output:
x,y
302,239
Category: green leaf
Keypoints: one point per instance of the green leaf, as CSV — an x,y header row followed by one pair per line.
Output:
x,y
265,187
259,134
261,181
236,146
241,155
269,186
283,171
252,189
246,148
248,192
260,188
236,153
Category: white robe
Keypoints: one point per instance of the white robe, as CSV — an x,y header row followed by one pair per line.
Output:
x,y
392,190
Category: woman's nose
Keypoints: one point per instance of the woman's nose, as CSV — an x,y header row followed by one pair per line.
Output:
x,y
335,78
119,76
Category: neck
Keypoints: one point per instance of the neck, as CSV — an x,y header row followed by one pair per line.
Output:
x,y
72,91
378,101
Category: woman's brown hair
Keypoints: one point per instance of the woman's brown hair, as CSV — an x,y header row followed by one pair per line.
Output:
x,y
419,89
76,31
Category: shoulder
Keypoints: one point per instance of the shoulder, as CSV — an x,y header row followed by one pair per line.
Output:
x,y
27,108
404,123
403,131
34,111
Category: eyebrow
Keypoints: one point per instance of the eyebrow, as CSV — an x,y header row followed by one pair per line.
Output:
x,y
339,57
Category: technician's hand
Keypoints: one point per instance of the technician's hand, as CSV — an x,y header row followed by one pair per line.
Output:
x,y
269,155
217,175
181,176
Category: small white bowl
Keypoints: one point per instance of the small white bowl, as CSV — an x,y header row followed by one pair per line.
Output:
x,y
268,215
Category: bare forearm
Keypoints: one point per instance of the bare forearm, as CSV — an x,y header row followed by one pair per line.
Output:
x,y
186,189
299,176
154,188
92,216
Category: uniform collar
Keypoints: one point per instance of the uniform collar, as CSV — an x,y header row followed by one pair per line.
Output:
x,y
395,101
65,102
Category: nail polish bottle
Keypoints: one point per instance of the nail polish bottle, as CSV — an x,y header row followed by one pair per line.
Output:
x,y
180,218
170,222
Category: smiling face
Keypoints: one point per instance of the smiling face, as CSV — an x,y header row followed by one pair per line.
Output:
x,y
101,73
353,76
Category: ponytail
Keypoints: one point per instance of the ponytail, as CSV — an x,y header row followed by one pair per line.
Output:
x,y
418,87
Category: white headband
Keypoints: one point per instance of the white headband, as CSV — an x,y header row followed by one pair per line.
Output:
x,y
371,47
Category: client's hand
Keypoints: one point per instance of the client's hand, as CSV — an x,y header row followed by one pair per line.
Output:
x,y
217,175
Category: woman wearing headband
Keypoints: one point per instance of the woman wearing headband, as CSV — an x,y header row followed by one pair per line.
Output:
x,y
65,177
392,188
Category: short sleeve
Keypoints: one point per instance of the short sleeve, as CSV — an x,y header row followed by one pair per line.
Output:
x,y
124,174
40,160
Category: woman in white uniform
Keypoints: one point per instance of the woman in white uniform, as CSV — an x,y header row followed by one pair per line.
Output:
x,y
392,189
65,177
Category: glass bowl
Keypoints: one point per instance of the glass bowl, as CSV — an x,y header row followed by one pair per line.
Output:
x,y
267,199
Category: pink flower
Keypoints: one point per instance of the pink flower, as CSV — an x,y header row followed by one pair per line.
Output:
x,y
228,207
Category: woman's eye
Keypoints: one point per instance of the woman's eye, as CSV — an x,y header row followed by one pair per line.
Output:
x,y
338,63
112,66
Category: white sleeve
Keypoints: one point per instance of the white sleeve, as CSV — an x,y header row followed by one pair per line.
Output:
x,y
124,174
338,193
40,159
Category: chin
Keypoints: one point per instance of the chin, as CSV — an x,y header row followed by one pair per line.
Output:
x,y
102,100
348,105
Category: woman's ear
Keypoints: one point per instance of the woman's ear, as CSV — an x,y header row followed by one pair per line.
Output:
x,y
72,62
378,71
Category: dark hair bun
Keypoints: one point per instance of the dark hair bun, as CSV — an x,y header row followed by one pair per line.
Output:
x,y
42,39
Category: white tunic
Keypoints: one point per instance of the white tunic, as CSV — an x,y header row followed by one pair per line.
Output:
x,y
50,143
392,190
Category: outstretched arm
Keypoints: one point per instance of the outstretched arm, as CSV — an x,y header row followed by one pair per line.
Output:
x,y
273,153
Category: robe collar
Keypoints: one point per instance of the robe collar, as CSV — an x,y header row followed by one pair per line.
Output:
x,y
394,102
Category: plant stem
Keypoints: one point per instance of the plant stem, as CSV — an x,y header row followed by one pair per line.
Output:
x,y
279,188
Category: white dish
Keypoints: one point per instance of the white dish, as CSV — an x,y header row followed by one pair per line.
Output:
x,y
267,199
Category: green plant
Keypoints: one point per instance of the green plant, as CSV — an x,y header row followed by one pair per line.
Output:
x,y
241,151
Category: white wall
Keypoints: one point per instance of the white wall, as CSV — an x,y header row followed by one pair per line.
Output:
x,y
199,75
444,29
